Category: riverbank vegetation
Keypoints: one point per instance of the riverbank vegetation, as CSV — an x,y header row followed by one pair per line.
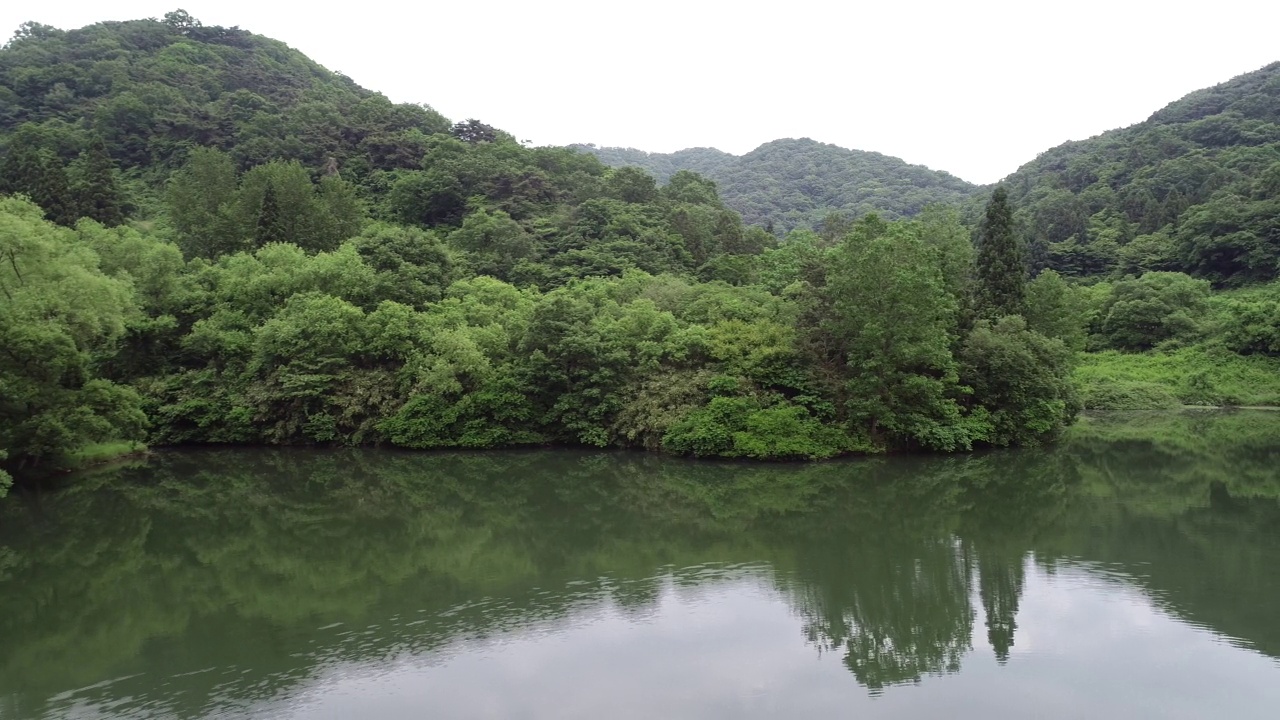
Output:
x,y
207,238
392,337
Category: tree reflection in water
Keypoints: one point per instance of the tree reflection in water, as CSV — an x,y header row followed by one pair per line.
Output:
x,y
215,559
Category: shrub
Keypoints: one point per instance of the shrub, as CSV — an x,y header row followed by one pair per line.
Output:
x,y
742,427
1127,395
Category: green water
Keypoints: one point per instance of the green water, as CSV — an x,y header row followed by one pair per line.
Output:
x,y
1132,571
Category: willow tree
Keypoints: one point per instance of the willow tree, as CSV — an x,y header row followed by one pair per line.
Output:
x,y
59,314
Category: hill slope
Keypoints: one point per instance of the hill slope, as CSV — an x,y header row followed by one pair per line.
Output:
x,y
154,89
1195,187
704,161
319,265
797,182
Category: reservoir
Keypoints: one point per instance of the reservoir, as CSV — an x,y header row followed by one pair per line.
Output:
x,y
1131,570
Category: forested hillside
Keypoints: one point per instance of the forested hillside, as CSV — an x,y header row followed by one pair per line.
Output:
x,y
704,161
151,90
207,238
210,239
1195,188
1174,221
785,184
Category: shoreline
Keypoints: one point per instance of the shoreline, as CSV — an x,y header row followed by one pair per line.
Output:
x,y
99,455
105,455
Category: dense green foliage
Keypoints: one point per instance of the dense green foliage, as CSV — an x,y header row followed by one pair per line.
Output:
x,y
1205,375
274,255
152,90
1195,189
1140,224
786,184
59,315
389,337
267,253
1164,339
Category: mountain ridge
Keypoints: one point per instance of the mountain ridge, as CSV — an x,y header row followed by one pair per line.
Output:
x,y
796,182
1195,187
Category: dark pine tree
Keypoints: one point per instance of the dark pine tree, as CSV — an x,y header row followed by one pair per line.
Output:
x,y
38,173
19,168
51,190
271,227
1002,272
95,191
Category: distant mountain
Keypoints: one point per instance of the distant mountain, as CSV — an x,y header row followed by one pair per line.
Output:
x,y
704,161
798,182
1194,188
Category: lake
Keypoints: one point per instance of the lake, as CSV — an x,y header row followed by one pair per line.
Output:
x,y
1130,571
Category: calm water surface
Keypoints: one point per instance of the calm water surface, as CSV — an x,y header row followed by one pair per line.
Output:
x,y
1132,571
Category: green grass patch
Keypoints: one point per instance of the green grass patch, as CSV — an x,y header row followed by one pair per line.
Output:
x,y
1201,375
1127,395
100,453
1190,431
1162,463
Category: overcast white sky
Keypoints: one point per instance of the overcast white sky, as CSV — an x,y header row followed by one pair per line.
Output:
x,y
975,88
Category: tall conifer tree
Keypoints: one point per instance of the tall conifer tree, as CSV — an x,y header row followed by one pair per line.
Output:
x,y
52,191
20,168
96,192
1002,273
38,173
271,228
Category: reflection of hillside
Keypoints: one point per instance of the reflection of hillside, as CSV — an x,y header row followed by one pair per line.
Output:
x,y
211,557
208,558
1190,505
263,547
1213,566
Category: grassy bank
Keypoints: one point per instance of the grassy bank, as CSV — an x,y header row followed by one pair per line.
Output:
x,y
83,458
1190,430
102,453
1189,376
